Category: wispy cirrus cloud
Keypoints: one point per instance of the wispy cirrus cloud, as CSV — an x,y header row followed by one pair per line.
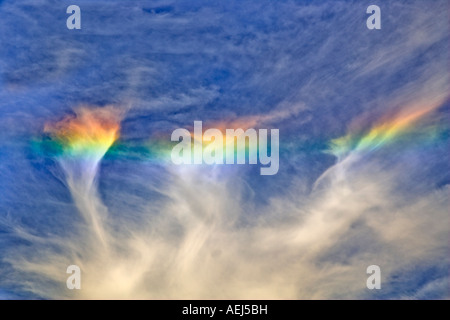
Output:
x,y
312,70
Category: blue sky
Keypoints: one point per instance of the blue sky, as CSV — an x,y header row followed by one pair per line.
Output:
x,y
312,69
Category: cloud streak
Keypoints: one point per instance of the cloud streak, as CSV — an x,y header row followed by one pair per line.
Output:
x,y
86,177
